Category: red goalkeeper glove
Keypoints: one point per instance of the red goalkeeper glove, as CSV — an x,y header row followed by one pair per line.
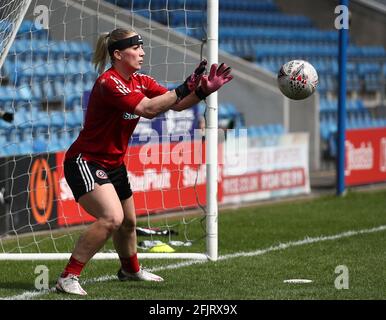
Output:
x,y
191,82
218,76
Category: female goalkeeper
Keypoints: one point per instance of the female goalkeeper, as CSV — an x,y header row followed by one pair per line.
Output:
x,y
94,164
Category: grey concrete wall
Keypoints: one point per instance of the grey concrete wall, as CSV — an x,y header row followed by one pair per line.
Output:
x,y
171,57
368,26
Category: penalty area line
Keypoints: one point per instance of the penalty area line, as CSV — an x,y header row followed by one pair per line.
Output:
x,y
27,295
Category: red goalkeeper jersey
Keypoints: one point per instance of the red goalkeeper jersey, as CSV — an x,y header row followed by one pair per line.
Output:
x,y
110,119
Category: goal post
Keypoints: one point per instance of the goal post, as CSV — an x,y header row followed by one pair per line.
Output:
x,y
168,51
212,137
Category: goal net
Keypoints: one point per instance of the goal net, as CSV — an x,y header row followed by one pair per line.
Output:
x,y
11,17
46,77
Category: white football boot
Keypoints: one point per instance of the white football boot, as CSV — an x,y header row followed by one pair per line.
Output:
x,y
70,284
141,275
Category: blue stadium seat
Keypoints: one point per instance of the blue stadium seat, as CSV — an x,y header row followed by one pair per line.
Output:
x,y
59,88
254,131
11,149
373,51
353,82
223,111
56,119
42,122
78,114
373,82
71,119
271,129
71,67
3,143
241,5
26,147
366,118
48,91
369,68
39,145
65,140
53,142
19,120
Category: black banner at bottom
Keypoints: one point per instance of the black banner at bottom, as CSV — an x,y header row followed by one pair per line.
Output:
x,y
201,309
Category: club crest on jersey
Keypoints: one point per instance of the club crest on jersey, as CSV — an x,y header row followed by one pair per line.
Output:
x,y
129,116
101,174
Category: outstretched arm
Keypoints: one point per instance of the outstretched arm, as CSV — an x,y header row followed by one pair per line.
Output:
x,y
149,108
188,94
186,103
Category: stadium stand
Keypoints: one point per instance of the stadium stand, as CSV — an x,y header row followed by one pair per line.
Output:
x,y
63,71
259,32
256,31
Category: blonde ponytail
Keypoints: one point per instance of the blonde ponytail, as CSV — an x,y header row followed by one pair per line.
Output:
x,y
101,50
100,55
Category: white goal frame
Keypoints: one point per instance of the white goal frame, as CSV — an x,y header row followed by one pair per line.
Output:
x,y
211,132
14,31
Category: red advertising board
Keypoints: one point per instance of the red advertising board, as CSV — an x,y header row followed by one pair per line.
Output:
x,y
365,156
166,177
172,177
264,181
277,169
174,182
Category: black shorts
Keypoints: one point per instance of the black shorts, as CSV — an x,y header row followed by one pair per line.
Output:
x,y
81,176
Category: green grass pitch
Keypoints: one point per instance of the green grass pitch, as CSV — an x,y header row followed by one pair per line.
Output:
x,y
259,248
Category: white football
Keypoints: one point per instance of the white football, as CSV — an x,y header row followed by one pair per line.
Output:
x,y
297,79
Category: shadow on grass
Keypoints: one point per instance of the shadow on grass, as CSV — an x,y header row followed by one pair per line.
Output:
x,y
16,285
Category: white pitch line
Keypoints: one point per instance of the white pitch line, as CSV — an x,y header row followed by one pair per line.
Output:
x,y
282,246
